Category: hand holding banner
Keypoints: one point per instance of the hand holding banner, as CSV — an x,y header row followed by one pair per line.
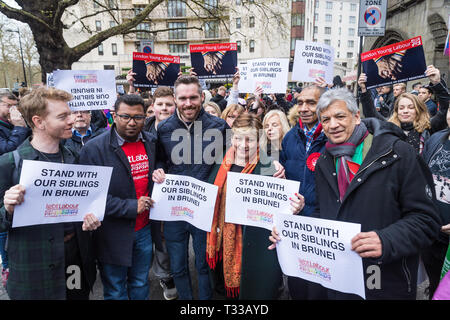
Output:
x,y
153,70
58,193
254,200
270,74
313,60
214,60
182,198
398,62
319,251
91,89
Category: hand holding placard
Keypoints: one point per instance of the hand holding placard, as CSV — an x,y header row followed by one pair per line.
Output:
x,y
13,197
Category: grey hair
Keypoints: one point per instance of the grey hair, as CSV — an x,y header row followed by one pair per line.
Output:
x,y
338,94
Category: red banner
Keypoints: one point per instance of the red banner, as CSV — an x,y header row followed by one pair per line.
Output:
x,y
156,57
393,48
213,47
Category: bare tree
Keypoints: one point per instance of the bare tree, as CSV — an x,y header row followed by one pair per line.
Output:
x,y
45,19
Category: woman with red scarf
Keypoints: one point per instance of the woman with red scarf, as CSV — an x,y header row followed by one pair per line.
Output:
x,y
250,271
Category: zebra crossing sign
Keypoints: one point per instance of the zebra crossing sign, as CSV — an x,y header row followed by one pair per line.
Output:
x,y
372,18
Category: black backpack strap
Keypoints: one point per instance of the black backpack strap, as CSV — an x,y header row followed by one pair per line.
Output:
x,y
17,158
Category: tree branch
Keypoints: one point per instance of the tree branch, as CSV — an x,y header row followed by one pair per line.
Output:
x,y
86,46
63,5
21,15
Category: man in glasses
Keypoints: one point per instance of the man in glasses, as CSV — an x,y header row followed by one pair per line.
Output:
x,y
13,129
124,244
82,130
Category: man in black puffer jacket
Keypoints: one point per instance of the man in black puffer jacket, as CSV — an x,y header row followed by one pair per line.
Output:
x,y
386,187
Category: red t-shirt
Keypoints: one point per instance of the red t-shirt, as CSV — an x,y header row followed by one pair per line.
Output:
x,y
138,159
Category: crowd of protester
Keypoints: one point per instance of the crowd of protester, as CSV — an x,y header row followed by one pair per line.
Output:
x,y
376,164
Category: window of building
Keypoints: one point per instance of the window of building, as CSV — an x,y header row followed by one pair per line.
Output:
x,y
211,3
112,4
252,46
143,35
327,30
96,5
298,19
352,19
351,32
239,46
178,47
350,43
328,17
337,54
329,5
251,23
316,29
112,24
108,67
238,2
339,43
176,8
98,25
212,29
176,31
114,49
317,4
327,41
100,49
238,23
352,6
349,55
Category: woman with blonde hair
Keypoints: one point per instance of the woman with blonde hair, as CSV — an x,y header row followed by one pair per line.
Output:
x,y
410,113
275,125
231,113
212,108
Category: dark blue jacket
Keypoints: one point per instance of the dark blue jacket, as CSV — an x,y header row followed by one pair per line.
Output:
x,y
75,143
432,107
188,145
11,136
299,165
113,241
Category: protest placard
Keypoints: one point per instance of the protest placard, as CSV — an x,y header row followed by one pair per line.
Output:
x,y
91,89
245,84
49,80
270,74
56,192
182,198
153,70
254,200
398,62
214,60
319,251
313,60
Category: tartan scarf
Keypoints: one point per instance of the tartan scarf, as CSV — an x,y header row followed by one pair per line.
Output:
x,y
225,239
343,154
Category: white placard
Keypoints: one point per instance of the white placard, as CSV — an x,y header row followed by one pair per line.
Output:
x,y
91,89
270,73
312,60
254,200
56,192
319,251
245,84
183,198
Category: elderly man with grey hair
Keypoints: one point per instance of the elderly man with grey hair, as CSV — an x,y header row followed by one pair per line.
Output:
x,y
369,175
